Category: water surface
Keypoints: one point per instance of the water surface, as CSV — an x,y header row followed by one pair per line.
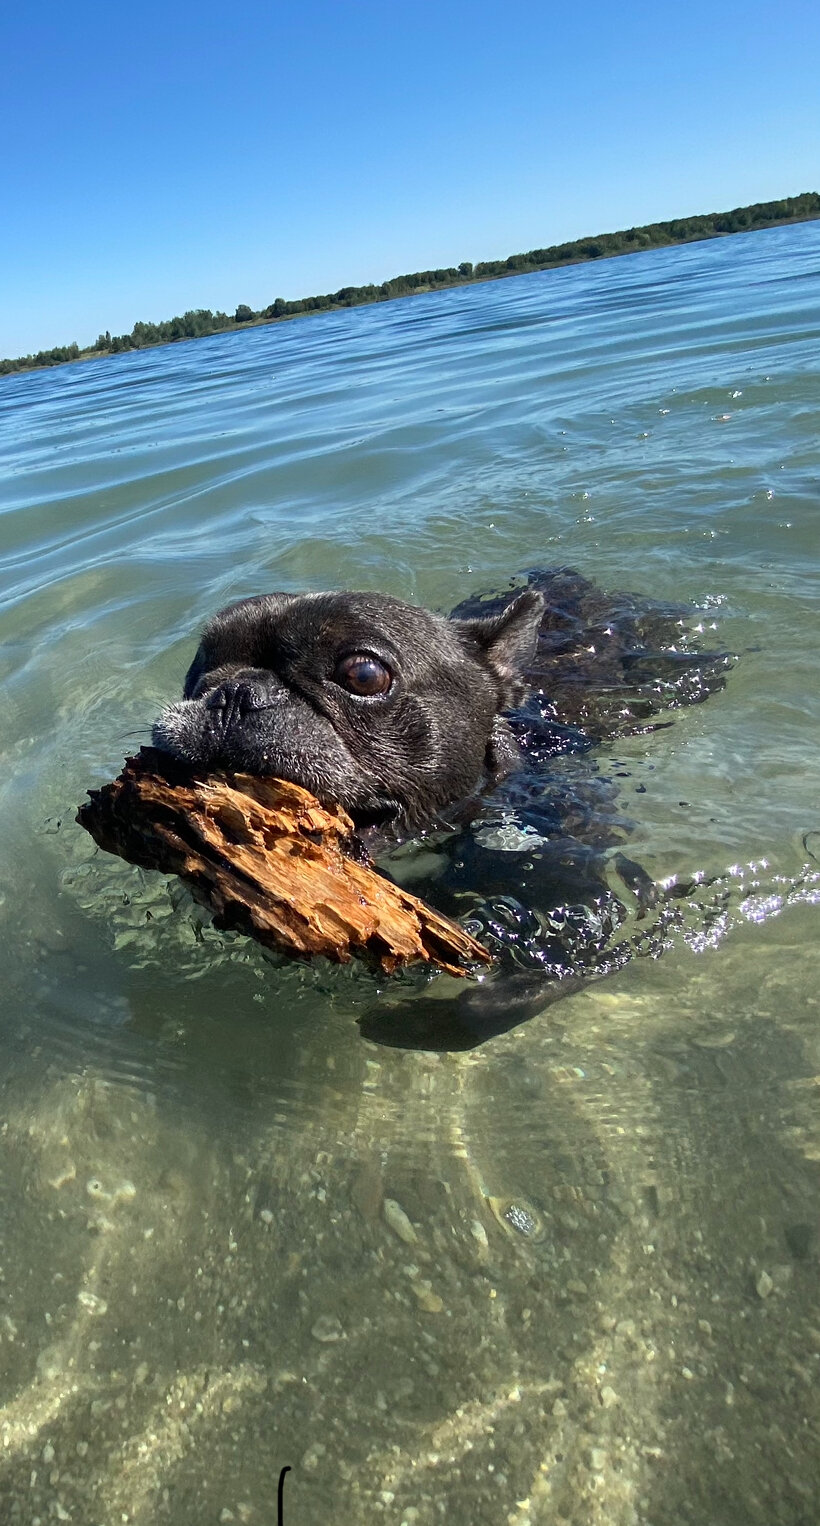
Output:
x,y
596,1300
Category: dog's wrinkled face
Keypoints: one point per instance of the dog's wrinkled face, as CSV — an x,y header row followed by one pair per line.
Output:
x,y
387,709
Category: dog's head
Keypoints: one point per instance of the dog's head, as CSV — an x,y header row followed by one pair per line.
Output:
x,y
387,709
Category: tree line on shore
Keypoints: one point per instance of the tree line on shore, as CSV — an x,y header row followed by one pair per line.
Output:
x,y
201,321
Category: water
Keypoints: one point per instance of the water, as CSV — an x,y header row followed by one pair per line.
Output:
x,y
597,1299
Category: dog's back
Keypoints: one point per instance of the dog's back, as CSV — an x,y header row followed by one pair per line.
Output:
x,y
538,864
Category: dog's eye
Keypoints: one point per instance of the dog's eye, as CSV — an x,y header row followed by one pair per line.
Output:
x,y
362,674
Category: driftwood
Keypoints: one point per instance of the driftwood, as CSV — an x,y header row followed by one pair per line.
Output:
x,y
268,860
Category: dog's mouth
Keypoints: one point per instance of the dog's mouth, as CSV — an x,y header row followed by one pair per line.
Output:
x,y
319,779
223,731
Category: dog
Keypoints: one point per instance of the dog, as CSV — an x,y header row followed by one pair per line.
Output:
x,y
391,711
450,726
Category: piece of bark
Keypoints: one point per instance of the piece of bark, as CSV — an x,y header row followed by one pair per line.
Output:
x,y
268,860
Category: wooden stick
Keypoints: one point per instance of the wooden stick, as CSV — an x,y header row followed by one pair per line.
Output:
x,y
268,860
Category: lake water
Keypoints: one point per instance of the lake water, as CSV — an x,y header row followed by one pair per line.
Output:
x,y
573,1274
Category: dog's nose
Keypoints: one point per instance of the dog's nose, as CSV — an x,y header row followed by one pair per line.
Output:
x,y
236,699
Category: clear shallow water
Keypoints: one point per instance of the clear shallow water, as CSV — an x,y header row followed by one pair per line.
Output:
x,y
602,1302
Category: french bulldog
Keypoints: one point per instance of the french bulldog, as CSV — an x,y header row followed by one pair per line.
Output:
x,y
386,709
474,729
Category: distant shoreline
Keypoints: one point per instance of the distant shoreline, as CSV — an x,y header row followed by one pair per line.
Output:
x,y
201,323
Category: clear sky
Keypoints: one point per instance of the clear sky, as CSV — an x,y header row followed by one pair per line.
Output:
x,y
193,153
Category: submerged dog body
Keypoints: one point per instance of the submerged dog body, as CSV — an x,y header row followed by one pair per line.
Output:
x,y
410,720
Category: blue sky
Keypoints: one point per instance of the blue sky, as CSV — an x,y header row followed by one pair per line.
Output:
x,y
161,156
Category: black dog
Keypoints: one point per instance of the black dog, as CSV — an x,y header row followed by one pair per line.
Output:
x,y
391,711
414,722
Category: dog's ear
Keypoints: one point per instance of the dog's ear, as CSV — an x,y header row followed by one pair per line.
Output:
x,y
507,642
